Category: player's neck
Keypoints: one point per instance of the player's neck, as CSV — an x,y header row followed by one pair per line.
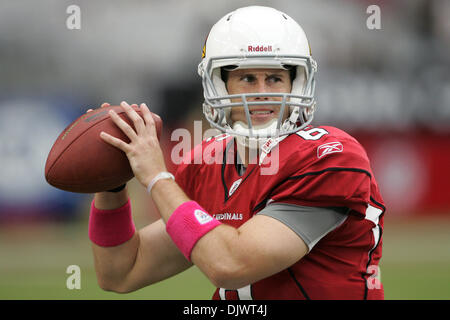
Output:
x,y
246,155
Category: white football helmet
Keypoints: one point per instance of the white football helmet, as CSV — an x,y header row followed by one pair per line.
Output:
x,y
257,37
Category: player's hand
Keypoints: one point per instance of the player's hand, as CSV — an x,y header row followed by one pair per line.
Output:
x,y
144,152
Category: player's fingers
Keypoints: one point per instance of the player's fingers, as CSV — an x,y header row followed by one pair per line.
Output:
x,y
104,104
89,110
116,142
148,118
125,127
135,117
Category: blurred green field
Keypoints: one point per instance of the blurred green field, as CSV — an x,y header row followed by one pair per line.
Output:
x,y
34,259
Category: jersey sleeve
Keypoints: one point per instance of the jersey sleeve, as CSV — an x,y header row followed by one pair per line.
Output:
x,y
336,177
309,223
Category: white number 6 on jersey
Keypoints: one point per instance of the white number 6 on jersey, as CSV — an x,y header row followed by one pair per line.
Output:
x,y
312,134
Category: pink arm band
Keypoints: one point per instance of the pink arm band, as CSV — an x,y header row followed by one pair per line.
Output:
x,y
187,224
109,228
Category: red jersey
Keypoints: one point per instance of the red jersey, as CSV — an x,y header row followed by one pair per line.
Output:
x,y
316,167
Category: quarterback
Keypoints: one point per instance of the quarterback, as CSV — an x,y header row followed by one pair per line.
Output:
x,y
310,229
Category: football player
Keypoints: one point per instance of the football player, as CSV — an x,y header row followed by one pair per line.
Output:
x,y
308,228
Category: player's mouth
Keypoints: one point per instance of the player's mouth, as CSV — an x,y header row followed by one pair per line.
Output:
x,y
261,114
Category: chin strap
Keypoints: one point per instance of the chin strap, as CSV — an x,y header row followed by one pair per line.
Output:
x,y
291,122
268,146
265,131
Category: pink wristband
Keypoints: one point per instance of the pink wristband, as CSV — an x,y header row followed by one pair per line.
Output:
x,y
109,228
187,224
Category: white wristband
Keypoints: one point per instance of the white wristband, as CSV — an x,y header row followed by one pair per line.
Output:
x,y
159,176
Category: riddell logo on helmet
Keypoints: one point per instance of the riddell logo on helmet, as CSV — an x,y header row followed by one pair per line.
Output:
x,y
259,48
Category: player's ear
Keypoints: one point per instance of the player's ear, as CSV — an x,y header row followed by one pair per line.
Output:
x,y
224,75
292,72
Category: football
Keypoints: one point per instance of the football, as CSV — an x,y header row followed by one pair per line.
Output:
x,y
80,161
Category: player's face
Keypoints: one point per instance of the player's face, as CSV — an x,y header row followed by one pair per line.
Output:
x,y
258,81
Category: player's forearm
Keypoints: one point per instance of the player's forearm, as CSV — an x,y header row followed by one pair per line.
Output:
x,y
110,200
113,263
217,254
168,196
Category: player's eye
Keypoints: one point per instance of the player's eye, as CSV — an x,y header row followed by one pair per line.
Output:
x,y
274,78
248,78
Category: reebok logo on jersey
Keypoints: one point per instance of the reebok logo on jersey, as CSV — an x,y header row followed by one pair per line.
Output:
x,y
328,148
202,217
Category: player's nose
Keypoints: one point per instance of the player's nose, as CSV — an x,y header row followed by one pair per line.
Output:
x,y
261,87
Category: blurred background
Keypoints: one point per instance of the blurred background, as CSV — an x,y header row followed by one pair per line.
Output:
x,y
388,87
